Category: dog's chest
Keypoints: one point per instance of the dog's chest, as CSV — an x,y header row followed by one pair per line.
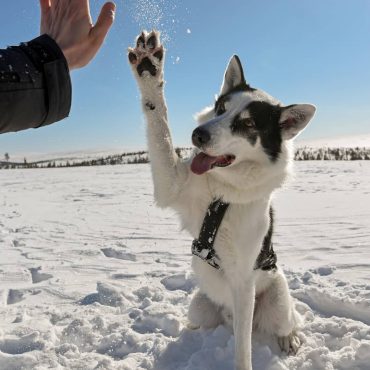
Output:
x,y
241,231
192,216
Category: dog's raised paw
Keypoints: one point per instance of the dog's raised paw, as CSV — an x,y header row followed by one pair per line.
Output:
x,y
289,344
147,57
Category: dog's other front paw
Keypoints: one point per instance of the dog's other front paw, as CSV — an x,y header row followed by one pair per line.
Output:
x,y
290,344
146,59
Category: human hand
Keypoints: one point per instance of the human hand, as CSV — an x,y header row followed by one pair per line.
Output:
x,y
69,23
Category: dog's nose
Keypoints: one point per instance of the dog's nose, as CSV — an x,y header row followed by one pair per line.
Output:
x,y
200,137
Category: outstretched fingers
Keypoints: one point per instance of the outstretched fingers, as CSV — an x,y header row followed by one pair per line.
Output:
x,y
104,22
45,6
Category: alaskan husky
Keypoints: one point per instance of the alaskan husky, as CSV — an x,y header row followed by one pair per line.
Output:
x,y
242,154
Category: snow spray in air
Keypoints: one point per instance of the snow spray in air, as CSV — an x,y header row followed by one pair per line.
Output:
x,y
162,15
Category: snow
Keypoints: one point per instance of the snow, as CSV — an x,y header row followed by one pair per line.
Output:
x,y
156,14
94,276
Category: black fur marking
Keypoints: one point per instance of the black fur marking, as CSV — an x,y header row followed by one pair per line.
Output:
x,y
220,105
241,128
146,65
244,87
159,54
266,117
150,105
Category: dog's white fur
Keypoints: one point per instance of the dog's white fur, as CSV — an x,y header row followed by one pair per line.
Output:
x,y
238,294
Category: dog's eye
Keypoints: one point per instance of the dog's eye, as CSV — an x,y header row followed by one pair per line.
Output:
x,y
249,122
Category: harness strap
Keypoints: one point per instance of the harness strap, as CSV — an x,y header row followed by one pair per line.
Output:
x,y
267,259
203,246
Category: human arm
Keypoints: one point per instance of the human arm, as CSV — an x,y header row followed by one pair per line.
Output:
x,y
35,86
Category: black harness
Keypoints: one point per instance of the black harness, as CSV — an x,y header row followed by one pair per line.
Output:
x,y
203,246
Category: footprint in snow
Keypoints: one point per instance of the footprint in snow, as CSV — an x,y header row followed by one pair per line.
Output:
x,y
18,295
17,346
37,276
114,253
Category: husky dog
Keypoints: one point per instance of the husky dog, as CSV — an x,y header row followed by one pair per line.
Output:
x,y
242,154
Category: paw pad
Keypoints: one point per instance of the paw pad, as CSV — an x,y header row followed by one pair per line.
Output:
x,y
148,54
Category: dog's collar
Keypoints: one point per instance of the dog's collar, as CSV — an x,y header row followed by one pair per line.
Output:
x,y
203,246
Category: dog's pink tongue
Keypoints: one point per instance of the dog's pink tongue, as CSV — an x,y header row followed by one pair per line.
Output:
x,y
202,163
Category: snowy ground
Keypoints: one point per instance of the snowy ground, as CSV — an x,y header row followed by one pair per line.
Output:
x,y
94,276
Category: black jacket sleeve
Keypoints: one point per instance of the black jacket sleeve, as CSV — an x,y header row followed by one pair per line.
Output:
x,y
35,85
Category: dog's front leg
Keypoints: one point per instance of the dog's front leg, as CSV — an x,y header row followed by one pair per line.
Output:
x,y
168,171
244,296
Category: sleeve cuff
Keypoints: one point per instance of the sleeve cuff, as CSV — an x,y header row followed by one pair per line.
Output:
x,y
57,78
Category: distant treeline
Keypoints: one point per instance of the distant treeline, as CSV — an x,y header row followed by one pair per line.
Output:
x,y
125,158
301,154
332,154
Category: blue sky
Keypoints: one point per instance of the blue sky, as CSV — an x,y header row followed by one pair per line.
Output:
x,y
298,51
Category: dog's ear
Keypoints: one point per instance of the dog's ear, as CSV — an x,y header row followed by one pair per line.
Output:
x,y
234,76
294,118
